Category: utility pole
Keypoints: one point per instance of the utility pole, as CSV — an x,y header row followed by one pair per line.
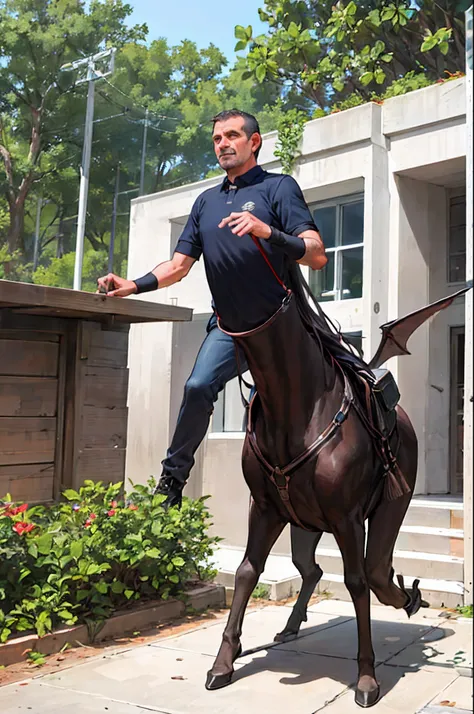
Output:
x,y
114,220
92,74
142,167
39,206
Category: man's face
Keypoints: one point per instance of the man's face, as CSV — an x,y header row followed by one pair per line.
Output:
x,y
232,146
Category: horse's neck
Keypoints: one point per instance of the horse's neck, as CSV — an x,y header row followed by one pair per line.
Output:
x,y
291,376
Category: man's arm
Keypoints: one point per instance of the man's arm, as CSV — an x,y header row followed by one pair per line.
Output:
x,y
166,274
315,255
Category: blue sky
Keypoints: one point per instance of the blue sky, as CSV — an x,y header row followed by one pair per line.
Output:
x,y
202,21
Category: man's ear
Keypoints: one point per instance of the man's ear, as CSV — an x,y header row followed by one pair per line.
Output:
x,y
256,144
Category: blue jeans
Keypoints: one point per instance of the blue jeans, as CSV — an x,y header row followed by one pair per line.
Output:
x,y
215,365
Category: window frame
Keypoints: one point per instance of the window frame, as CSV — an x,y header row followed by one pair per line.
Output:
x,y
453,195
339,203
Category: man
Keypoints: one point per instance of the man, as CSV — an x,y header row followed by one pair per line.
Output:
x,y
249,202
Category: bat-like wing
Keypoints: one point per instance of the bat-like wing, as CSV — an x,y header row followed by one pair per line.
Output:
x,y
396,334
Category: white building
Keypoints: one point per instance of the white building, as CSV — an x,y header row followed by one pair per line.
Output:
x,y
387,185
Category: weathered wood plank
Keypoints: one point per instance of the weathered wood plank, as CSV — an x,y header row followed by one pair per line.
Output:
x,y
30,483
105,387
28,396
29,336
27,440
106,465
10,320
103,428
75,303
25,358
102,347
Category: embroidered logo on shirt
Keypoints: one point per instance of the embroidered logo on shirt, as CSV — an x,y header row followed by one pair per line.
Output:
x,y
249,206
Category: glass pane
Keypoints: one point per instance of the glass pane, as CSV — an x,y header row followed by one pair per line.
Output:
x,y
457,213
457,240
353,223
325,219
351,283
457,268
321,282
217,421
355,338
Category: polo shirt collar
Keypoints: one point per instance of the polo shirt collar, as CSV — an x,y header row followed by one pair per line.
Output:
x,y
245,180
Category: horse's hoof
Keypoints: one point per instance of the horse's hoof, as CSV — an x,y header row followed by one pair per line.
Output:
x,y
285,636
367,699
217,681
415,601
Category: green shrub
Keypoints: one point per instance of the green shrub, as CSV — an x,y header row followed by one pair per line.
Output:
x,y
80,560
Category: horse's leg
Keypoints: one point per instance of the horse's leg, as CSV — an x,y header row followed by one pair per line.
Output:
x,y
303,545
264,528
384,526
350,536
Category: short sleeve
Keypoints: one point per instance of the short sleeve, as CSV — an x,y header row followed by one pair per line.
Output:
x,y
291,208
189,242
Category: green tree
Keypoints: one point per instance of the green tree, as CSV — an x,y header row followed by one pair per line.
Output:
x,y
328,51
37,100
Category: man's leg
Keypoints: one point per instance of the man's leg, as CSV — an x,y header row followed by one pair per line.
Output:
x,y
215,366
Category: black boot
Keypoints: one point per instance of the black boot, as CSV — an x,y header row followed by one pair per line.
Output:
x,y
171,488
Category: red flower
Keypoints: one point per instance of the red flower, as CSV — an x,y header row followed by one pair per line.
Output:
x,y
114,504
10,512
112,512
23,527
133,507
88,523
92,516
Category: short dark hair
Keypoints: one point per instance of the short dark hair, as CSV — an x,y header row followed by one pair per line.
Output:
x,y
250,123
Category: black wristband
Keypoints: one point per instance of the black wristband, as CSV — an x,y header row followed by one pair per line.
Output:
x,y
147,283
293,246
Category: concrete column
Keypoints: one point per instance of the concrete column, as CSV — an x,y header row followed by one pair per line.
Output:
x,y
468,386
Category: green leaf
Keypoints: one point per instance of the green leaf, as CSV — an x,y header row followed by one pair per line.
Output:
x,y
338,85
428,44
153,553
44,543
71,495
117,587
101,587
374,17
379,75
444,48
24,574
351,9
174,579
293,30
77,548
178,561
388,14
366,78
239,33
128,593
387,58
261,73
241,45
33,550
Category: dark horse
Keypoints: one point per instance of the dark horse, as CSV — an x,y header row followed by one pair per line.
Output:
x,y
304,418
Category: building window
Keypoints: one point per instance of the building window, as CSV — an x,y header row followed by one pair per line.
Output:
x,y
341,224
229,411
457,240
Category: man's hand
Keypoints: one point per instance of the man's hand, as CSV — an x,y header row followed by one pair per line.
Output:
x,y
244,223
115,286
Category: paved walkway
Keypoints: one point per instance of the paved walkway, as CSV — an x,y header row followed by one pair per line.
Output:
x,y
314,673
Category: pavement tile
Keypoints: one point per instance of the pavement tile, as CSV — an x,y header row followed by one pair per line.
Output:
x,y
378,612
403,692
277,682
38,698
458,693
388,638
433,651
259,628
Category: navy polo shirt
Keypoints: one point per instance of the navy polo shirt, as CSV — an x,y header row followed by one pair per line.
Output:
x,y
244,290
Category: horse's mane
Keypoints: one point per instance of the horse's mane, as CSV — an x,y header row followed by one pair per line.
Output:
x,y
318,323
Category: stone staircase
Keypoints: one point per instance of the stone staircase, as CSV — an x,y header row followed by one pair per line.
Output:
x,y
430,547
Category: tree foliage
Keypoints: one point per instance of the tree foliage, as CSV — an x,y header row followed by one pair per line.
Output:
x,y
329,51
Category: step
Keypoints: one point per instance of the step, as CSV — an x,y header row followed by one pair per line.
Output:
x,y
440,511
421,539
419,565
284,580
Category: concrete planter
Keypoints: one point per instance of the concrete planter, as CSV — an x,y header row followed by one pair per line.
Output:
x,y
143,616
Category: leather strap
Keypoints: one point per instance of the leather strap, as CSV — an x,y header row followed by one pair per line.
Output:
x,y
280,476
